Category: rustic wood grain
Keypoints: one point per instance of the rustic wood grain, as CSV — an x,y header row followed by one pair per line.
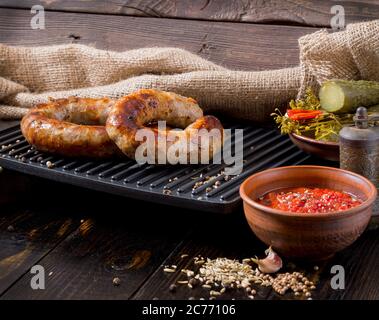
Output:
x,y
117,237
361,264
26,237
239,46
301,12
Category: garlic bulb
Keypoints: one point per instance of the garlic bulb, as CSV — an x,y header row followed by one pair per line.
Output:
x,y
271,264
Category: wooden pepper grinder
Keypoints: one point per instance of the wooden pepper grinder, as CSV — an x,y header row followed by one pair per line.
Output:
x,y
359,151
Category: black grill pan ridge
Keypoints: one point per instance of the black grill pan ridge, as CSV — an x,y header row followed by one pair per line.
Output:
x,y
263,149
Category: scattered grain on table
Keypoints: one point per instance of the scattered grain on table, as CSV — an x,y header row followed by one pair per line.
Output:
x,y
221,275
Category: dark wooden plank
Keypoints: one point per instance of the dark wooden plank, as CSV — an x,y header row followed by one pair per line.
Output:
x,y
117,237
240,46
233,239
309,12
228,237
26,237
361,264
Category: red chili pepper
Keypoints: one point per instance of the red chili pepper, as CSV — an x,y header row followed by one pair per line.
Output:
x,y
298,114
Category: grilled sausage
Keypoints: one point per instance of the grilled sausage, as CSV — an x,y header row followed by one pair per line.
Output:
x,y
135,111
70,127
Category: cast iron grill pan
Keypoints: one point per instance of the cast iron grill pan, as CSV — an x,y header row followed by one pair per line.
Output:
x,y
173,185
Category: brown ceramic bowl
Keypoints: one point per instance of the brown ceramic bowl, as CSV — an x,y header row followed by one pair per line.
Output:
x,y
300,235
322,149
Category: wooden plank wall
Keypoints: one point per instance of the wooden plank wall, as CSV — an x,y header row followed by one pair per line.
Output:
x,y
299,12
249,35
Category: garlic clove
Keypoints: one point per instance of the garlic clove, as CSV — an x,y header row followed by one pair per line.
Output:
x,y
271,264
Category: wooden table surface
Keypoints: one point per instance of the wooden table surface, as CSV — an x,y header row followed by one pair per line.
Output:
x,y
84,239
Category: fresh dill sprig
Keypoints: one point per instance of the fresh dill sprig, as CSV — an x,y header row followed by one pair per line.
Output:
x,y
325,126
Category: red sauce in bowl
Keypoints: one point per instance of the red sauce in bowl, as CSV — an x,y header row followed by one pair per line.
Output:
x,y
309,200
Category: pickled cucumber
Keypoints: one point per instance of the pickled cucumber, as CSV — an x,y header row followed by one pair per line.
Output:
x,y
345,96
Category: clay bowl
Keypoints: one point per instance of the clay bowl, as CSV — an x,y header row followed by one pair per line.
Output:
x,y
300,235
322,149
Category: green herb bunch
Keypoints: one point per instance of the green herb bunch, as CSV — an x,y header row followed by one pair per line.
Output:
x,y
324,127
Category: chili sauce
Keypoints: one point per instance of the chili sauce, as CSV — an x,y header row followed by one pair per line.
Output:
x,y
309,200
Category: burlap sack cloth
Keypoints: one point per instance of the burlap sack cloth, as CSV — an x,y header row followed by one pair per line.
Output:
x,y
30,75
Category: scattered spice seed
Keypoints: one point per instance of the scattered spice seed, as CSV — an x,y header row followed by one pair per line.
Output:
x,y
10,228
214,293
191,298
168,270
315,268
226,273
167,192
184,256
251,297
49,164
116,281
182,281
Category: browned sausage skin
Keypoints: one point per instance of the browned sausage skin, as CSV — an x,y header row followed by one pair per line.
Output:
x,y
135,111
70,127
